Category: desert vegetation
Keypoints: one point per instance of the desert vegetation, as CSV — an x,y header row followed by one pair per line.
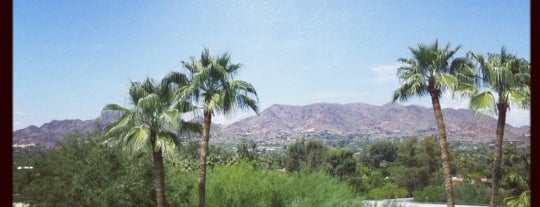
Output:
x,y
149,157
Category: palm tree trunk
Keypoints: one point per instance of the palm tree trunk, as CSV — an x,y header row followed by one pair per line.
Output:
x,y
161,199
497,157
202,159
444,150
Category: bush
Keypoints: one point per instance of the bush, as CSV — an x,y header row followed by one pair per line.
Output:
x,y
82,172
435,194
388,191
244,185
465,194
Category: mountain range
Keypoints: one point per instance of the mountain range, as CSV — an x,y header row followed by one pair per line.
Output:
x,y
281,124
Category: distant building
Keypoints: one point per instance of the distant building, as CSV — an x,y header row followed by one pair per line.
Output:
x,y
459,180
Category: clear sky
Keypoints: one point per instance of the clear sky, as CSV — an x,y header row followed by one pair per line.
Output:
x,y
71,58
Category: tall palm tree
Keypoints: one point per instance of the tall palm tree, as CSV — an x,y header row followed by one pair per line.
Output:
x,y
429,72
214,87
153,123
505,79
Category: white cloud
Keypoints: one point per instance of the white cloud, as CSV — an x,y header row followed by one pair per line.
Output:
x,y
386,73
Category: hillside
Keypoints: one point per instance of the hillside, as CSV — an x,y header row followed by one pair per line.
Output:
x,y
281,124
50,133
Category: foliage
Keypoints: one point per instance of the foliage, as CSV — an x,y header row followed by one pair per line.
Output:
x,y
243,184
516,175
472,165
273,160
310,154
432,71
472,194
340,163
504,80
503,76
212,85
380,152
123,179
523,200
246,150
430,194
388,190
466,194
153,124
82,172
417,163
181,188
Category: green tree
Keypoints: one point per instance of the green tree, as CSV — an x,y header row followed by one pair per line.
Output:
x,y
515,166
505,79
302,153
213,84
153,123
83,172
341,163
417,163
430,72
379,153
247,150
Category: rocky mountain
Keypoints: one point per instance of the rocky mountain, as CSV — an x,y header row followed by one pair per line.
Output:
x,y
280,124
359,121
50,133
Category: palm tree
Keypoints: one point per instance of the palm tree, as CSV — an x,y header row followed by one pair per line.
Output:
x,y
505,79
153,123
429,72
213,86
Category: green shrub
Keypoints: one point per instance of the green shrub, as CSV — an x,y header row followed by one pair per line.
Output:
x,y
467,194
387,191
243,184
435,194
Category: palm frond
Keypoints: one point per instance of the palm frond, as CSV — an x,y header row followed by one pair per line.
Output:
x,y
506,75
115,107
212,82
444,81
521,98
137,137
246,87
149,102
185,107
166,141
213,102
245,102
170,117
176,77
191,127
483,102
120,126
465,90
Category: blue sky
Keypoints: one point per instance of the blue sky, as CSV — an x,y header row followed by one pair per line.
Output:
x,y
71,58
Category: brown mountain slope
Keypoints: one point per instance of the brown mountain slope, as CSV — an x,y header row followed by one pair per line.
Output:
x,y
284,123
364,121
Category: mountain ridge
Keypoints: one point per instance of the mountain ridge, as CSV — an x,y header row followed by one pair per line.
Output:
x,y
280,124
